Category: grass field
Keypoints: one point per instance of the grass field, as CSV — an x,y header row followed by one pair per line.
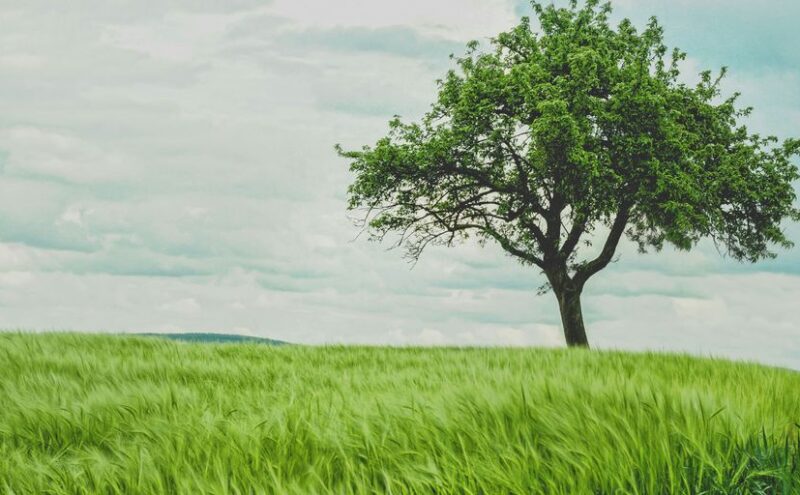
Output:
x,y
103,414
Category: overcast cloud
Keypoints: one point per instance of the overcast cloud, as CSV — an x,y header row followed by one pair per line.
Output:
x,y
169,166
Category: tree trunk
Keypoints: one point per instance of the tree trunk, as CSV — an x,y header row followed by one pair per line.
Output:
x,y
569,302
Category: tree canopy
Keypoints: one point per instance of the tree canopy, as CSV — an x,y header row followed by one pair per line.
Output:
x,y
573,133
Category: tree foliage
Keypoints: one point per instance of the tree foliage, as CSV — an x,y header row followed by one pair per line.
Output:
x,y
573,133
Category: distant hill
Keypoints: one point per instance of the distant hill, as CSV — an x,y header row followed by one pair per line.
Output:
x,y
215,338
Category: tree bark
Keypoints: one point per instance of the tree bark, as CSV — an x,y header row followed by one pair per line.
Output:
x,y
569,303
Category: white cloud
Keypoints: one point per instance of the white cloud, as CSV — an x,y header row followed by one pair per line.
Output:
x,y
15,279
178,36
13,257
33,151
464,20
21,61
185,305
430,336
709,311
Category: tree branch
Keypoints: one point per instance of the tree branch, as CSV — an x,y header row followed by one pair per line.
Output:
x,y
573,237
589,268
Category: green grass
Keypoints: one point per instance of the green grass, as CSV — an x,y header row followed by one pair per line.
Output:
x,y
104,414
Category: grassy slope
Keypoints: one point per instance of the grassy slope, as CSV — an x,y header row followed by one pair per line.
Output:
x,y
95,414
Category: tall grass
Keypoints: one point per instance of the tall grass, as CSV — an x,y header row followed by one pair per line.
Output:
x,y
99,414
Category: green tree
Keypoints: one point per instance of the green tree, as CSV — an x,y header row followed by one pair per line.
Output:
x,y
573,134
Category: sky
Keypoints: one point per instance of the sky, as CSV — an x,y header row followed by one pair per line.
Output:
x,y
169,166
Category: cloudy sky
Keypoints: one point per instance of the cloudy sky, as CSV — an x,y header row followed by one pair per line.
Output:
x,y
169,166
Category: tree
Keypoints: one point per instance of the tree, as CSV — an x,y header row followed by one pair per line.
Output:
x,y
579,133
